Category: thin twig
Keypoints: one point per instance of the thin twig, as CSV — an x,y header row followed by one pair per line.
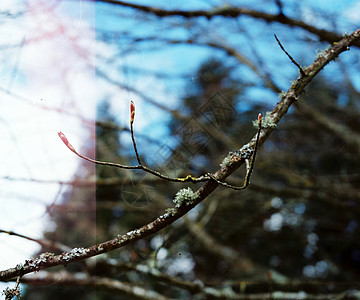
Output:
x,y
292,60
202,193
188,178
111,164
132,117
141,166
249,167
134,143
42,242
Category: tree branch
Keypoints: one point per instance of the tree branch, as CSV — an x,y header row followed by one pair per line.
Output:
x,y
80,279
42,242
233,12
232,163
255,290
290,57
341,131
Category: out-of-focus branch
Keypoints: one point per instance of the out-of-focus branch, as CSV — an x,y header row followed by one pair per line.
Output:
x,y
342,132
148,99
254,290
228,254
115,127
236,54
234,12
317,194
231,256
92,181
194,287
81,279
230,164
42,242
223,47
176,114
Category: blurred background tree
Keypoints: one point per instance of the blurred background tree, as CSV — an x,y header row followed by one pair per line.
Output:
x,y
295,228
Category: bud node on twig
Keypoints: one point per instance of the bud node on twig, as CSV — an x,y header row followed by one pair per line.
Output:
x,y
66,142
132,112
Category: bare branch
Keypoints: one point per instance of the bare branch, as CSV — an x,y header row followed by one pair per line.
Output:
x,y
203,192
255,290
80,279
249,166
188,178
289,56
233,12
42,242
344,133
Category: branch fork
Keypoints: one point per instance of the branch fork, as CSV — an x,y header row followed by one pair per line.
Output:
x,y
188,178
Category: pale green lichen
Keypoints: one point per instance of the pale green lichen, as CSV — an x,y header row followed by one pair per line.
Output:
x,y
184,196
170,211
282,94
321,52
267,122
293,82
244,153
227,160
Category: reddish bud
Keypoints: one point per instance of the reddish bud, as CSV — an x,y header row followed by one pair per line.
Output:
x,y
66,142
259,118
132,112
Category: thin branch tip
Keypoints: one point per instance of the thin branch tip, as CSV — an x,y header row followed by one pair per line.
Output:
x,y
66,142
132,111
302,72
